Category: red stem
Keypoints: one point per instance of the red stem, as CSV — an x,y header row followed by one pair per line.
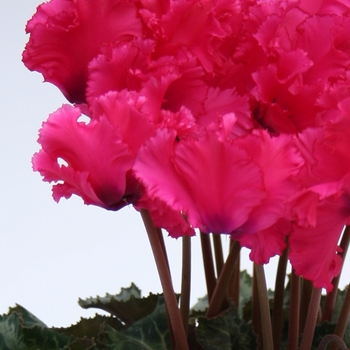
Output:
x,y
220,292
309,329
165,279
265,318
294,307
219,256
208,264
234,284
185,281
343,317
277,316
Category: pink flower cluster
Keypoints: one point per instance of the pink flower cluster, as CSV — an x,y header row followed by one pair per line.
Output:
x,y
228,116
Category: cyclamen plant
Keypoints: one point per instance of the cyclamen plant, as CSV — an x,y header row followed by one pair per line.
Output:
x,y
209,117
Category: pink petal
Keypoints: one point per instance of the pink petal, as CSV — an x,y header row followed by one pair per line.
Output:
x,y
280,163
314,251
165,217
96,162
212,183
65,35
123,111
266,243
119,67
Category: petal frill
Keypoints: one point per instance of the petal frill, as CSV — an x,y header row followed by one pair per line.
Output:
x,y
65,35
212,183
123,111
174,82
337,7
175,29
88,160
314,250
280,162
119,67
266,243
221,102
165,217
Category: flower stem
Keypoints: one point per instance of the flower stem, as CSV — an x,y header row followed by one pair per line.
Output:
x,y
256,314
220,292
265,318
165,279
162,244
309,329
208,264
294,307
332,296
234,284
306,291
219,256
277,317
343,317
185,281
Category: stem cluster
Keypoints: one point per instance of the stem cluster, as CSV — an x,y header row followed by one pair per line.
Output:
x,y
222,280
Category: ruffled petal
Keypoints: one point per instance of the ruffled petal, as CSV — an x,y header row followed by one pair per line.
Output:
x,y
89,160
314,250
65,35
212,183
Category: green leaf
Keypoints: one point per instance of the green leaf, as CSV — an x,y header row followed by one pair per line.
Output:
x,y
91,327
127,305
21,330
10,332
201,305
149,333
82,344
225,332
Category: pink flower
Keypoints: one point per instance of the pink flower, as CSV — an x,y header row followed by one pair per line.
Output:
x,y
65,35
89,160
192,178
314,248
322,208
172,27
227,116
119,67
212,180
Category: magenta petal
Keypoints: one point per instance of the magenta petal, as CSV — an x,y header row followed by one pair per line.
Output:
x,y
266,243
95,161
214,184
65,35
313,250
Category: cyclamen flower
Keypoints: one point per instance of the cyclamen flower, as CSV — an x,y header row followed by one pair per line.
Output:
x,y
213,181
67,34
97,156
238,124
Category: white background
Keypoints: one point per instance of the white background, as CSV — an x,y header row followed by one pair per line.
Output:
x,y
52,254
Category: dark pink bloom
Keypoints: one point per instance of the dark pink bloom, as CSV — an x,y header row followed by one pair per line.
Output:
x,y
198,179
322,208
89,160
314,248
212,180
268,242
175,82
172,27
227,116
123,110
65,35
119,67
